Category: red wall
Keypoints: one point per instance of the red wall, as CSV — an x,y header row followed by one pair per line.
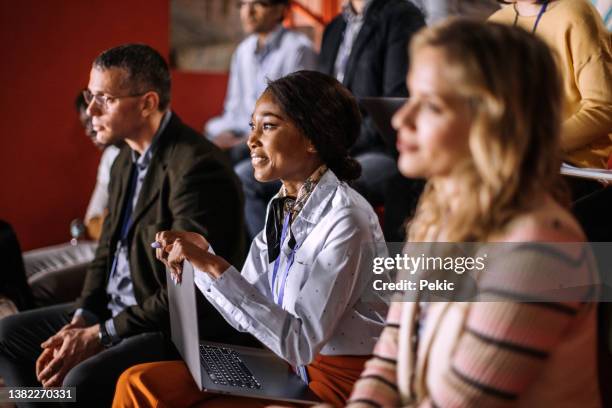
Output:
x,y
47,165
197,97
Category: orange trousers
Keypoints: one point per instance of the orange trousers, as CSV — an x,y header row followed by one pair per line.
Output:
x,y
169,384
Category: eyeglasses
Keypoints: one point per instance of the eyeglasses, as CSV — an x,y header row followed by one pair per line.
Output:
x,y
254,3
104,101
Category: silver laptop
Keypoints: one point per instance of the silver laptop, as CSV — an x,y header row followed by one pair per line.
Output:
x,y
224,368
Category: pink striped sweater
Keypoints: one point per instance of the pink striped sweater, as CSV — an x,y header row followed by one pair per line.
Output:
x,y
503,353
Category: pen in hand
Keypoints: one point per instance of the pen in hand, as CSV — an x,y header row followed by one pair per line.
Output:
x,y
157,245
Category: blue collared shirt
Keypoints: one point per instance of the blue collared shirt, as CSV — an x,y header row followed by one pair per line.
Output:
x,y
284,52
120,287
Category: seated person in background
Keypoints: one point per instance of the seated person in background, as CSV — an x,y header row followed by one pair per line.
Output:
x,y
319,313
166,176
436,10
574,30
98,203
269,52
15,293
483,126
365,49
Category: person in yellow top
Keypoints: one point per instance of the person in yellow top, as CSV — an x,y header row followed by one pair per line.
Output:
x,y
575,31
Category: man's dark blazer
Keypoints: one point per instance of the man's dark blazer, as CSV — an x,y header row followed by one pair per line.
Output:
x,y
378,62
189,186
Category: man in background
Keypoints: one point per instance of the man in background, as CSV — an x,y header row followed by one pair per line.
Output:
x,y
269,52
366,48
165,177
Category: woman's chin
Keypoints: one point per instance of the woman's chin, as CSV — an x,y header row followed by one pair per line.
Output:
x,y
263,177
410,170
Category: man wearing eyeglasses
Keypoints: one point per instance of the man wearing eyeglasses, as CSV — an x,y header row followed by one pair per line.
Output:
x,y
165,177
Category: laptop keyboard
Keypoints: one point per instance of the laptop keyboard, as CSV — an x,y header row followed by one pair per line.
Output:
x,y
224,367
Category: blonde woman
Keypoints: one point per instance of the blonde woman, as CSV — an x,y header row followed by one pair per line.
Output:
x,y
488,141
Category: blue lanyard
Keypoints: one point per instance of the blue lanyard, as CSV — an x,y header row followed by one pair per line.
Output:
x,y
281,293
540,14
542,11
301,370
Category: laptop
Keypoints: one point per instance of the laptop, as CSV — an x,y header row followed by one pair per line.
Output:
x,y
223,368
381,110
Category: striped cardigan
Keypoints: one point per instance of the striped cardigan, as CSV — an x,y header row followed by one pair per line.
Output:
x,y
488,354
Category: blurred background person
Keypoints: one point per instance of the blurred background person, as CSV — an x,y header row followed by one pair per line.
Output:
x,y
365,49
483,125
436,10
15,294
270,51
575,31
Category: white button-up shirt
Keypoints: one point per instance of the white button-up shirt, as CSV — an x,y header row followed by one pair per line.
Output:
x,y
329,304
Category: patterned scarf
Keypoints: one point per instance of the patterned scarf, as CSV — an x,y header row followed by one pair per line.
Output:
x,y
283,205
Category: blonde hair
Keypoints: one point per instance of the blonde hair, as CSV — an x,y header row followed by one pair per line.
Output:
x,y
514,90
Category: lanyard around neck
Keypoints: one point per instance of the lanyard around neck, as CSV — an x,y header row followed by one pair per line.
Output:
x,y
284,233
301,370
540,14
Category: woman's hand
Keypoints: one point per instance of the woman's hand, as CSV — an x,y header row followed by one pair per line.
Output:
x,y
177,247
166,240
